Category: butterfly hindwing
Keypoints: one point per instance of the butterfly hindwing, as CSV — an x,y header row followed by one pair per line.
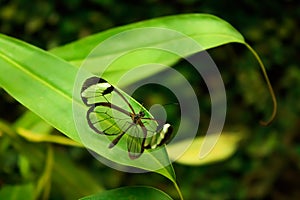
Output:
x,y
161,137
135,141
101,120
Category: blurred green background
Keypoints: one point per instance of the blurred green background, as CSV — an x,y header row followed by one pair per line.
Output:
x,y
267,162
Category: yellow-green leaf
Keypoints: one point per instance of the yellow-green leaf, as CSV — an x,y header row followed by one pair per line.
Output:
x,y
226,145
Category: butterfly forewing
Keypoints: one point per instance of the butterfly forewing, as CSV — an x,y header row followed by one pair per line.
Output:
x,y
96,90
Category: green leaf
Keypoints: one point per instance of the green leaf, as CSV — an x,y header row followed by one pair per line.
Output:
x,y
44,84
24,166
64,168
40,81
31,121
34,129
226,145
207,30
17,192
130,193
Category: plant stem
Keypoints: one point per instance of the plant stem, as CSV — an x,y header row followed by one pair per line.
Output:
x,y
44,183
178,190
265,123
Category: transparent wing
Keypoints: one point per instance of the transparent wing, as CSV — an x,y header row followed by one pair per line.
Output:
x,y
96,90
111,113
103,116
135,140
105,120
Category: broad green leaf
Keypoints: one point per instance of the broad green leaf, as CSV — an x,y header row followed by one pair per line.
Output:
x,y
44,84
207,30
224,148
130,193
17,192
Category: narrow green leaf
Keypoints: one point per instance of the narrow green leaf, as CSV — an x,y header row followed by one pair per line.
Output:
x,y
40,81
130,193
34,129
34,123
24,166
17,192
65,171
207,30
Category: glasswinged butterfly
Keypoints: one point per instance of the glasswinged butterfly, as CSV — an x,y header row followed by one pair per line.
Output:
x,y
110,113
